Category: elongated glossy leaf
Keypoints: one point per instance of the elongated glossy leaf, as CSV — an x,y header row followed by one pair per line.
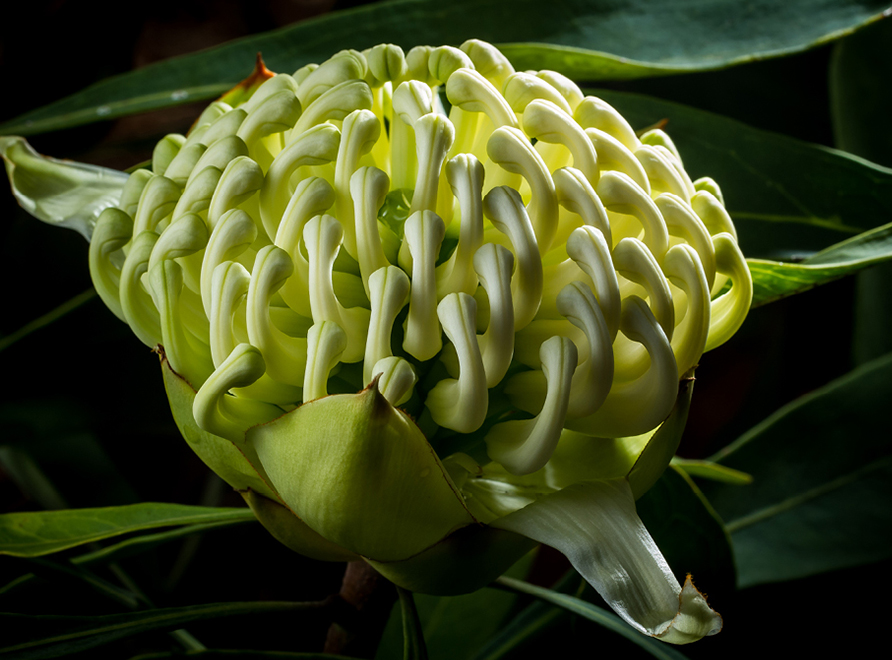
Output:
x,y
535,620
479,615
44,636
688,532
236,654
789,199
860,70
126,548
39,533
50,317
859,81
592,613
822,482
773,280
709,470
642,37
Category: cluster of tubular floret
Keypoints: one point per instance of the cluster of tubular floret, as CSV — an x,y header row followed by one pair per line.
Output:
x,y
538,232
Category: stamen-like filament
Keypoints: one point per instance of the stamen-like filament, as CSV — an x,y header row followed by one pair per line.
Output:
x,y
388,291
424,232
622,195
545,121
313,196
112,232
136,303
322,236
682,222
465,176
639,405
240,180
285,356
158,199
593,376
506,210
524,446
359,133
232,236
325,345
511,149
460,404
684,269
316,146
730,309
229,416
494,264
593,112
368,187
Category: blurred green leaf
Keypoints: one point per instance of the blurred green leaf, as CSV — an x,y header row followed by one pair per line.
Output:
x,y
710,470
33,534
535,620
688,532
44,636
237,654
125,548
642,37
591,612
860,100
861,103
55,456
479,616
822,482
789,199
773,280
50,317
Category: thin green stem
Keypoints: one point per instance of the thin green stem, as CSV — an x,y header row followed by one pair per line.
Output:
x,y
48,318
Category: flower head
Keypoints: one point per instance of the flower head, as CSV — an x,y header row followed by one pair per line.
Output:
x,y
415,334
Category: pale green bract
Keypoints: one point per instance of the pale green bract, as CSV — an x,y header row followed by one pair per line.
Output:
x,y
345,276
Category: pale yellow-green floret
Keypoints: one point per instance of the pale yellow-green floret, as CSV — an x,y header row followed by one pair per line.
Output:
x,y
527,238
426,310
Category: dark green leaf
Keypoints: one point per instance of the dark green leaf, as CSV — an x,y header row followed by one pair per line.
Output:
x,y
860,71
642,37
773,280
591,612
49,317
822,482
688,532
534,620
479,615
235,654
43,532
859,93
43,636
789,199
709,470
127,548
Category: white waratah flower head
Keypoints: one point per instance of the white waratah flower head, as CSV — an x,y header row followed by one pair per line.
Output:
x,y
508,283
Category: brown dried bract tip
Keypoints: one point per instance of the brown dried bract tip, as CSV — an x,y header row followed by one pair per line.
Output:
x,y
246,88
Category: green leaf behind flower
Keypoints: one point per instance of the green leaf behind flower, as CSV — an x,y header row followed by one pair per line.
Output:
x,y
773,280
635,39
37,533
822,481
42,636
592,613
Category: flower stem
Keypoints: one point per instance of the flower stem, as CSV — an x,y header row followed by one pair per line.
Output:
x,y
366,602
